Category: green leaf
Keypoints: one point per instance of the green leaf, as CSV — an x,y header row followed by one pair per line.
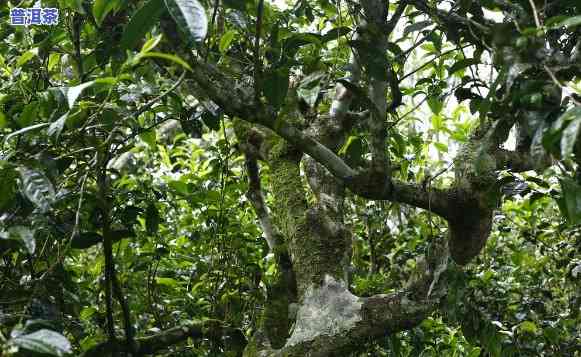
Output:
x,y
570,22
335,34
27,56
293,42
475,352
87,313
275,86
537,149
528,326
435,105
572,200
226,41
37,188
119,234
150,44
56,127
180,187
29,114
309,95
167,281
73,93
395,49
190,16
212,121
551,21
43,341
310,87
101,8
353,150
460,65
141,23
416,27
569,136
150,138
24,130
25,236
168,57
441,147
86,240
2,120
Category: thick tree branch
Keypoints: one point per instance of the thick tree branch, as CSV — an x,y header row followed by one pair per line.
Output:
x,y
518,161
211,329
454,24
234,103
256,198
333,322
373,26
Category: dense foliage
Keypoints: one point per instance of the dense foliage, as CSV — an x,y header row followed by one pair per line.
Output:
x,y
180,177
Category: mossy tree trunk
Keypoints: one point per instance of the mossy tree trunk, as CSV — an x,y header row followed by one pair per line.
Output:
x,y
310,310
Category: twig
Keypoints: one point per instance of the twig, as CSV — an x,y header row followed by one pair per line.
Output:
x,y
148,105
554,78
74,232
408,113
396,16
431,61
257,62
535,14
103,203
129,335
214,13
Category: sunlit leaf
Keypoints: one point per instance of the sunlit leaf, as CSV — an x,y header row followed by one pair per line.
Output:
x,y
37,188
569,22
25,236
150,138
24,130
571,132
150,44
310,87
190,16
168,57
166,281
417,27
435,104
27,56
73,93
57,126
528,326
43,341
226,40
572,199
